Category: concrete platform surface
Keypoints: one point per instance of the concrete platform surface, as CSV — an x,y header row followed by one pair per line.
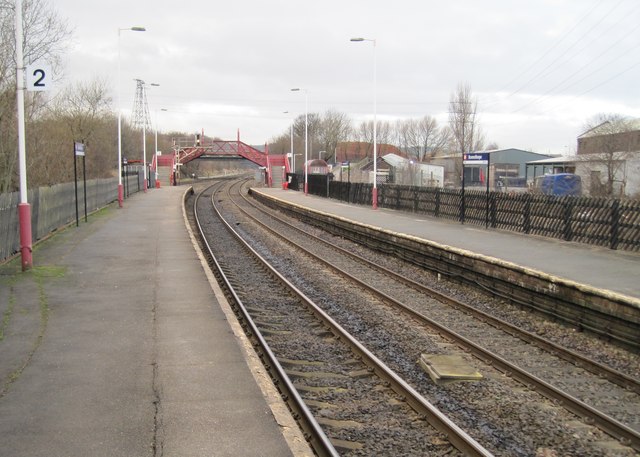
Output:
x,y
602,268
115,344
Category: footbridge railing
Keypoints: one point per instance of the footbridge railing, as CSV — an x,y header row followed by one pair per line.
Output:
x,y
220,148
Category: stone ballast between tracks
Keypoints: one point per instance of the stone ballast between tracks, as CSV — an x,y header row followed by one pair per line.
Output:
x,y
605,312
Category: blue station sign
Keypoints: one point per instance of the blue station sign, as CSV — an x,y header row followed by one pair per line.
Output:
x,y
475,158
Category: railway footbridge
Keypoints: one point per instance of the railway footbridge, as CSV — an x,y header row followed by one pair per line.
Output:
x,y
187,149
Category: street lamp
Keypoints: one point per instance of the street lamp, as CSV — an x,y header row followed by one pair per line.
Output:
x,y
144,137
156,153
306,135
120,189
374,195
293,160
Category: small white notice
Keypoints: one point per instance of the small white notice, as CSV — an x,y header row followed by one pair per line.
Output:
x,y
78,149
39,76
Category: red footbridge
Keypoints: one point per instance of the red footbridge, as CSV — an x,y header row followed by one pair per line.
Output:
x,y
184,151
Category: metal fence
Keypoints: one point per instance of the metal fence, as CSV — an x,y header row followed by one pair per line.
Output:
x,y
611,223
54,207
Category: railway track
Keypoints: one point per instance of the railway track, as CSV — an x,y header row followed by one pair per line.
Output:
x,y
603,396
612,316
364,406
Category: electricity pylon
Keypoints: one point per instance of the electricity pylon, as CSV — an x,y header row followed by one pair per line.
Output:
x,y
140,115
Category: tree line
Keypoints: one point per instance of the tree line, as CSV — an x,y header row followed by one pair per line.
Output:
x,y
420,139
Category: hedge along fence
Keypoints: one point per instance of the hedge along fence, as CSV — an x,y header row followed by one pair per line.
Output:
x,y
51,208
611,223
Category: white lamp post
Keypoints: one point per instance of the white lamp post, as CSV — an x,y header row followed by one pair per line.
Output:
x,y
120,189
293,156
374,195
293,160
306,135
157,182
144,138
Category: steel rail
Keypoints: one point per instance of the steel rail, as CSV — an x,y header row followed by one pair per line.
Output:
x,y
458,437
573,357
610,425
611,326
316,436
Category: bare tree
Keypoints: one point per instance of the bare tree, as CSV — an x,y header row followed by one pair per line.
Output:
x,y
312,122
421,138
404,133
364,139
429,138
334,127
280,144
365,133
83,107
384,134
8,147
45,37
463,122
324,133
83,113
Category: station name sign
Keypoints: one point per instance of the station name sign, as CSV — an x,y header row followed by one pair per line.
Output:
x,y
477,158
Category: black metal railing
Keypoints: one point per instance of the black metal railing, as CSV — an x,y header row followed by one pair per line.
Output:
x,y
607,222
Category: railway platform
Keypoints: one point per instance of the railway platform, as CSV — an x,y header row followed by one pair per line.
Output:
x,y
600,268
118,343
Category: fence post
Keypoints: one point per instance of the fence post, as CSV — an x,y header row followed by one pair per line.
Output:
x,y
437,208
568,209
615,224
494,222
526,222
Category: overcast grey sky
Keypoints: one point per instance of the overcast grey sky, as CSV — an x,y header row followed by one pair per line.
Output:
x,y
540,68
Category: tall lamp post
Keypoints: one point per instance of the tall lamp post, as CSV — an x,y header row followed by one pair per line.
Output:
x,y
306,135
374,195
120,189
157,182
144,136
293,160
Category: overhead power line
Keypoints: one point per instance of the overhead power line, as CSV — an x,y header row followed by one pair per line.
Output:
x,y
586,76
554,45
566,51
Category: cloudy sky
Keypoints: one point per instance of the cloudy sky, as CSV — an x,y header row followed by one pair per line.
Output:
x,y
540,68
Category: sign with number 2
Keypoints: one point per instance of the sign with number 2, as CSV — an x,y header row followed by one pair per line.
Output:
x,y
39,77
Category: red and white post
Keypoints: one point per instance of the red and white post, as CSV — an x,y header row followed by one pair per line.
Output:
x,y
24,209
